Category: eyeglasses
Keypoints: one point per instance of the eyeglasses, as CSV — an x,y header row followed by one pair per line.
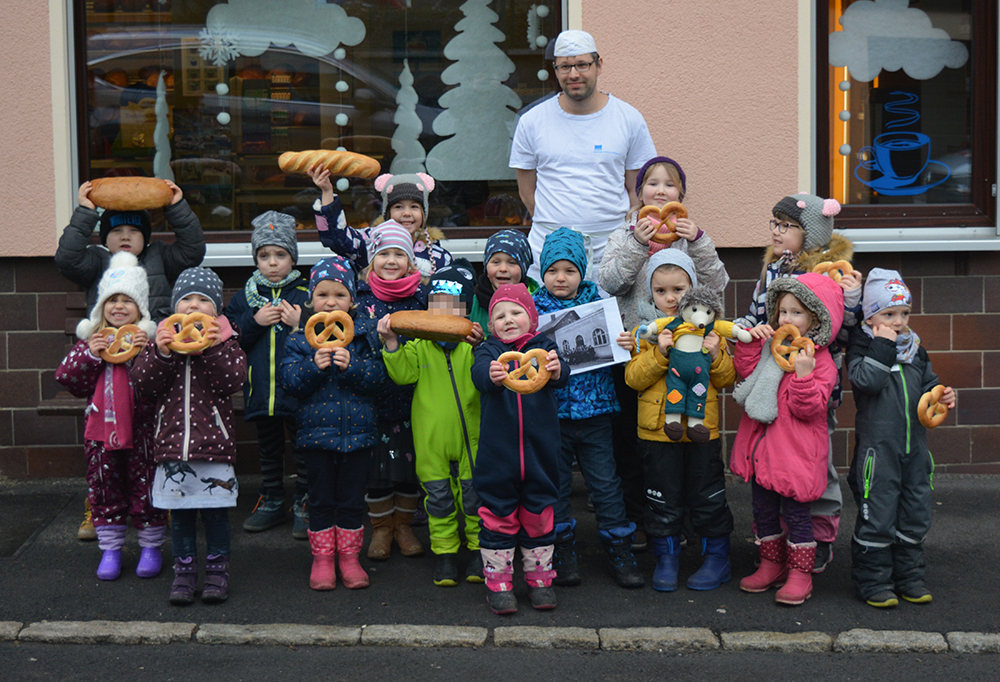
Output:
x,y
780,226
582,67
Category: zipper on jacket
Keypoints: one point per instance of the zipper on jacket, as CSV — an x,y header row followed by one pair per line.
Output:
x,y
159,420
187,408
906,407
272,383
869,470
219,422
930,478
461,413
249,392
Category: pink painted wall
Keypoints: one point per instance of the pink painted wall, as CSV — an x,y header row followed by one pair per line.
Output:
x,y
717,84
26,163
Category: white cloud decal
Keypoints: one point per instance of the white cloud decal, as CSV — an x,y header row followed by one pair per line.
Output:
x,y
888,34
316,29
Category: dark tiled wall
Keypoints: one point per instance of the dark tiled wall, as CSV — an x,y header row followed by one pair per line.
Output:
x,y
956,313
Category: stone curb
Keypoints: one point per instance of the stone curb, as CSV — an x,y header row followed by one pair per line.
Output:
x,y
9,630
528,637
423,635
279,634
106,632
788,643
890,642
974,642
658,639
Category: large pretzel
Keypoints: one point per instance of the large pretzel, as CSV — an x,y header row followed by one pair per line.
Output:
x,y
121,346
190,339
662,214
931,412
336,323
536,378
835,270
785,355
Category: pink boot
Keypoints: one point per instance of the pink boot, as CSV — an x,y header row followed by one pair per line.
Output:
x,y
323,544
349,548
801,560
538,574
498,568
772,571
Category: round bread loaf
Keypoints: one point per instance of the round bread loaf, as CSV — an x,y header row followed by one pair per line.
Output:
x,y
130,193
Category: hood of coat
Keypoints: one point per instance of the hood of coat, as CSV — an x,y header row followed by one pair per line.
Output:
x,y
819,294
839,248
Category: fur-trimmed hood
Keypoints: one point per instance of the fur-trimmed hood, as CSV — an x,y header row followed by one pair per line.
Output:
x,y
839,248
819,294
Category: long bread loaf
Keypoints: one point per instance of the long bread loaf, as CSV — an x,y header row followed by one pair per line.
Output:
x,y
347,164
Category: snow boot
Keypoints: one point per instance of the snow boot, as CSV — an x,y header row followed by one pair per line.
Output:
x,y
886,599
86,531
216,588
267,513
564,562
349,548
380,511
151,557
773,570
498,568
668,560
618,544
917,594
446,570
824,555
110,539
323,544
406,506
538,574
715,570
300,517
185,581
474,571
799,585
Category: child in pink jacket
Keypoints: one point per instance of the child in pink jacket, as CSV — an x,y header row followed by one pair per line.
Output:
x,y
782,445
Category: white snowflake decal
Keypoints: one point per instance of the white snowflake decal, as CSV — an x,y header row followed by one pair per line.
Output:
x,y
218,45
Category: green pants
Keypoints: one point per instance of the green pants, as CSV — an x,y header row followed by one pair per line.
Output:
x,y
448,485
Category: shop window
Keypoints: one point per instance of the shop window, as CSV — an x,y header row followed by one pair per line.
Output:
x,y
907,105
211,93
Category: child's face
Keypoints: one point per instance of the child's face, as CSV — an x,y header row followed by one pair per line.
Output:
x,y
501,268
791,311
274,262
330,295
669,287
445,304
659,188
391,264
120,310
562,279
407,213
509,320
125,238
196,303
791,240
895,318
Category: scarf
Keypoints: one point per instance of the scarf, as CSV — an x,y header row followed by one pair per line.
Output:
x,y
586,293
257,279
484,291
758,393
393,290
110,413
907,343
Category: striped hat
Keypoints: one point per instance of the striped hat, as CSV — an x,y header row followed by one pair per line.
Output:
x,y
390,235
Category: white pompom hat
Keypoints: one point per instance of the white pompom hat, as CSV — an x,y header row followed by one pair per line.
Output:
x,y
123,276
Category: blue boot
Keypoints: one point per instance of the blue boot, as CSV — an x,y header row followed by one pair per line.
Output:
x,y
715,570
668,560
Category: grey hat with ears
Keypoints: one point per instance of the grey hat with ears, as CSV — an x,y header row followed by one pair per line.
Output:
x,y
813,213
274,229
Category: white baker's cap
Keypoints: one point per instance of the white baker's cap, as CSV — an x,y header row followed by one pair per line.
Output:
x,y
574,43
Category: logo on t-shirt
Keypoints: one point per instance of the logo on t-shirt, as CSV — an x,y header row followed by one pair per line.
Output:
x,y
599,149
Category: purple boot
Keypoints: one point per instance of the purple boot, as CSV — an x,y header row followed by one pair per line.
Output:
x,y
216,579
110,539
150,558
185,581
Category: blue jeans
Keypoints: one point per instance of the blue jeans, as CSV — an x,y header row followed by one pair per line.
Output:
x,y
184,531
592,442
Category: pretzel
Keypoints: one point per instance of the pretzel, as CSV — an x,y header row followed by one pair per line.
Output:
x,y
120,345
537,377
347,164
835,270
424,324
130,193
780,351
190,339
336,323
931,412
670,235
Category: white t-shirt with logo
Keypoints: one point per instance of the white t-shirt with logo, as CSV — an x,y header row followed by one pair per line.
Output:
x,y
580,163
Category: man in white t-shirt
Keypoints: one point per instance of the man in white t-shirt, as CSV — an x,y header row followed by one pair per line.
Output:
x,y
577,155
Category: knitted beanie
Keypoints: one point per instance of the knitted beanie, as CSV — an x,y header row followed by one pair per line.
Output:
x,y
390,235
670,257
123,276
641,177
514,244
274,229
813,213
884,289
335,268
564,244
198,281
516,293
137,219
396,188
457,279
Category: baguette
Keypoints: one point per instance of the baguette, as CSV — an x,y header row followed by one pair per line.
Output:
x,y
130,193
347,164
423,324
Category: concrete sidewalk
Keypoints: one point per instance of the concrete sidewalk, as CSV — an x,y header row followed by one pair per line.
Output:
x,y
51,578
